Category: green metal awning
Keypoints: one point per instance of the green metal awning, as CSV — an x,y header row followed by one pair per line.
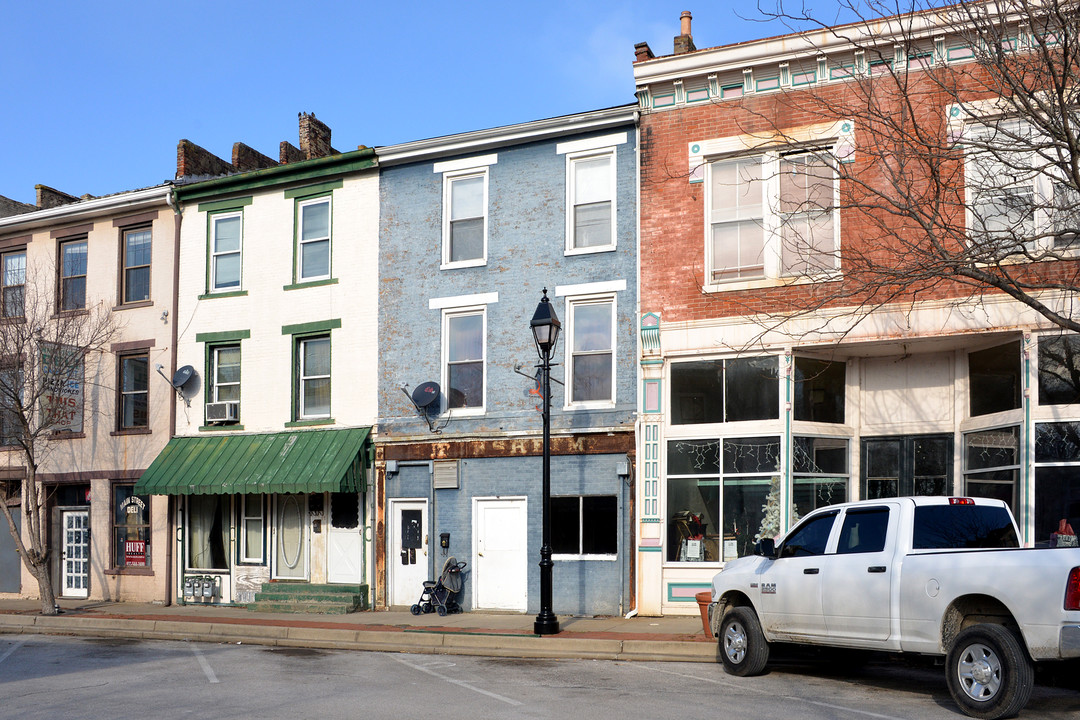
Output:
x,y
301,461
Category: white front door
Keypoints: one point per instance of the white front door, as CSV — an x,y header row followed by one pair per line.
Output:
x,y
345,539
290,537
75,564
501,566
407,551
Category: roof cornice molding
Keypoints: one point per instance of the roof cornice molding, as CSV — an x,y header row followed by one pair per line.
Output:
x,y
117,204
506,135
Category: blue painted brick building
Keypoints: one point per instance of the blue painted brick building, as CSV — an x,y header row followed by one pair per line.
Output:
x,y
473,227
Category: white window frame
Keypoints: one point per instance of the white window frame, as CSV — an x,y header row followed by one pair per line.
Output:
x,y
215,365
449,178
771,218
301,415
590,557
572,160
572,302
245,516
447,317
214,254
328,239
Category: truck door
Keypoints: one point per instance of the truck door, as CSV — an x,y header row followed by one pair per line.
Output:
x,y
791,584
856,591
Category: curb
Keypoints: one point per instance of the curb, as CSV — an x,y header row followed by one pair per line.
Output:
x,y
428,642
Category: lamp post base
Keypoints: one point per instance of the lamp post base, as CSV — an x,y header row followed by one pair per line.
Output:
x,y
546,624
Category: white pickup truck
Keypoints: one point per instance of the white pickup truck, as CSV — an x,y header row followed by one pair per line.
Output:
x,y
929,575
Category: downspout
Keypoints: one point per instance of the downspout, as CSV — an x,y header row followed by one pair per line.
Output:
x,y
174,527
787,487
631,584
1026,458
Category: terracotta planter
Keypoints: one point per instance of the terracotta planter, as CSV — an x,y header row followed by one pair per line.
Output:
x,y
703,600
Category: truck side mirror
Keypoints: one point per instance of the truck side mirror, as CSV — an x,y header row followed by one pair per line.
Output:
x,y
766,547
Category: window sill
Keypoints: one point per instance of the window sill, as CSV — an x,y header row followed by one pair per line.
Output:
x,y
460,412
220,428
71,313
593,405
310,423
231,293
13,321
131,431
134,305
130,571
311,284
768,282
590,250
584,558
479,262
67,435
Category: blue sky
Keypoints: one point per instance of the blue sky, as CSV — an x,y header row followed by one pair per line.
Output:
x,y
97,94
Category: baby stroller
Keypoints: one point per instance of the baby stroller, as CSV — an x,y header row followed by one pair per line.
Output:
x,y
440,595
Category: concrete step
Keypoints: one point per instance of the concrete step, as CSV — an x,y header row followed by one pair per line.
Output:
x,y
310,598
320,608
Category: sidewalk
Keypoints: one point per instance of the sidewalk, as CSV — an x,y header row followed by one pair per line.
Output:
x,y
678,638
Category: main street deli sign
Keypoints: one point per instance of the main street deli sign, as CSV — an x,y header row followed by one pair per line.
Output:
x,y
62,387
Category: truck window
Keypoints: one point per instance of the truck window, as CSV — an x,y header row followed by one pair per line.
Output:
x,y
810,538
864,531
957,527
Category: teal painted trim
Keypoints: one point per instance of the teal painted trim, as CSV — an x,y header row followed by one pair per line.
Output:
x,y
310,423
233,293
651,520
219,428
313,283
312,190
315,169
224,336
691,586
650,549
1026,460
221,205
651,362
659,397
311,327
789,444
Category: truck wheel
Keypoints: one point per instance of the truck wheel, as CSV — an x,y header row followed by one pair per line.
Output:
x,y
743,649
988,672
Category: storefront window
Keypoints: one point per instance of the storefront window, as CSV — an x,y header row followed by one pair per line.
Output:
x,y
820,468
1057,479
735,390
753,389
992,464
131,528
746,490
994,379
697,392
251,529
1059,370
819,390
207,532
693,500
907,465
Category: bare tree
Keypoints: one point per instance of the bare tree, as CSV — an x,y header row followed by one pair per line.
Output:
x,y
965,176
46,358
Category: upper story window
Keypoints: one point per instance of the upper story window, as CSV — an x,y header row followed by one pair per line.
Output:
x,y
465,217
73,275
135,273
226,240
313,254
591,347
134,387
13,275
463,352
225,373
772,215
11,395
590,222
313,377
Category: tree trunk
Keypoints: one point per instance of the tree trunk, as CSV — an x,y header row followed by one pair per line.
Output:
x,y
40,571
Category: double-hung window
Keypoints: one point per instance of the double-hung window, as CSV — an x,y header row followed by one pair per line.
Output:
x,y
313,241
11,396
226,240
134,391
135,274
13,279
463,368
225,373
313,377
772,215
591,350
590,201
252,524
465,217
73,275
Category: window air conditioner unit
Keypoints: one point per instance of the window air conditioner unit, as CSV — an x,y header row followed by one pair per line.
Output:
x,y
223,412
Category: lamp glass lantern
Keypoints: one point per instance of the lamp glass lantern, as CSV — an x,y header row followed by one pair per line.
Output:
x,y
545,326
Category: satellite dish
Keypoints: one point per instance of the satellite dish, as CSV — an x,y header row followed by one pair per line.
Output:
x,y
182,376
425,394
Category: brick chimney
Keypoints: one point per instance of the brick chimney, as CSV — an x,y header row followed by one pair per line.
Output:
x,y
9,207
48,197
245,158
642,51
194,161
684,42
314,137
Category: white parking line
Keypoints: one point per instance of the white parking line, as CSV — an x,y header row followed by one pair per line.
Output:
x,y
18,644
207,670
761,691
454,681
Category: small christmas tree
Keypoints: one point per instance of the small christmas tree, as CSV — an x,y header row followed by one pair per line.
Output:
x,y
770,523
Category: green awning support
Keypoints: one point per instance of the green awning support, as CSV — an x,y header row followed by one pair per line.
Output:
x,y
301,461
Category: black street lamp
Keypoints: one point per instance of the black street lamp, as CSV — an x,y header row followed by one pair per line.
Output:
x,y
545,328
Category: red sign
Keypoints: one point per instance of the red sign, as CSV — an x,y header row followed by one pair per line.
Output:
x,y
135,553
